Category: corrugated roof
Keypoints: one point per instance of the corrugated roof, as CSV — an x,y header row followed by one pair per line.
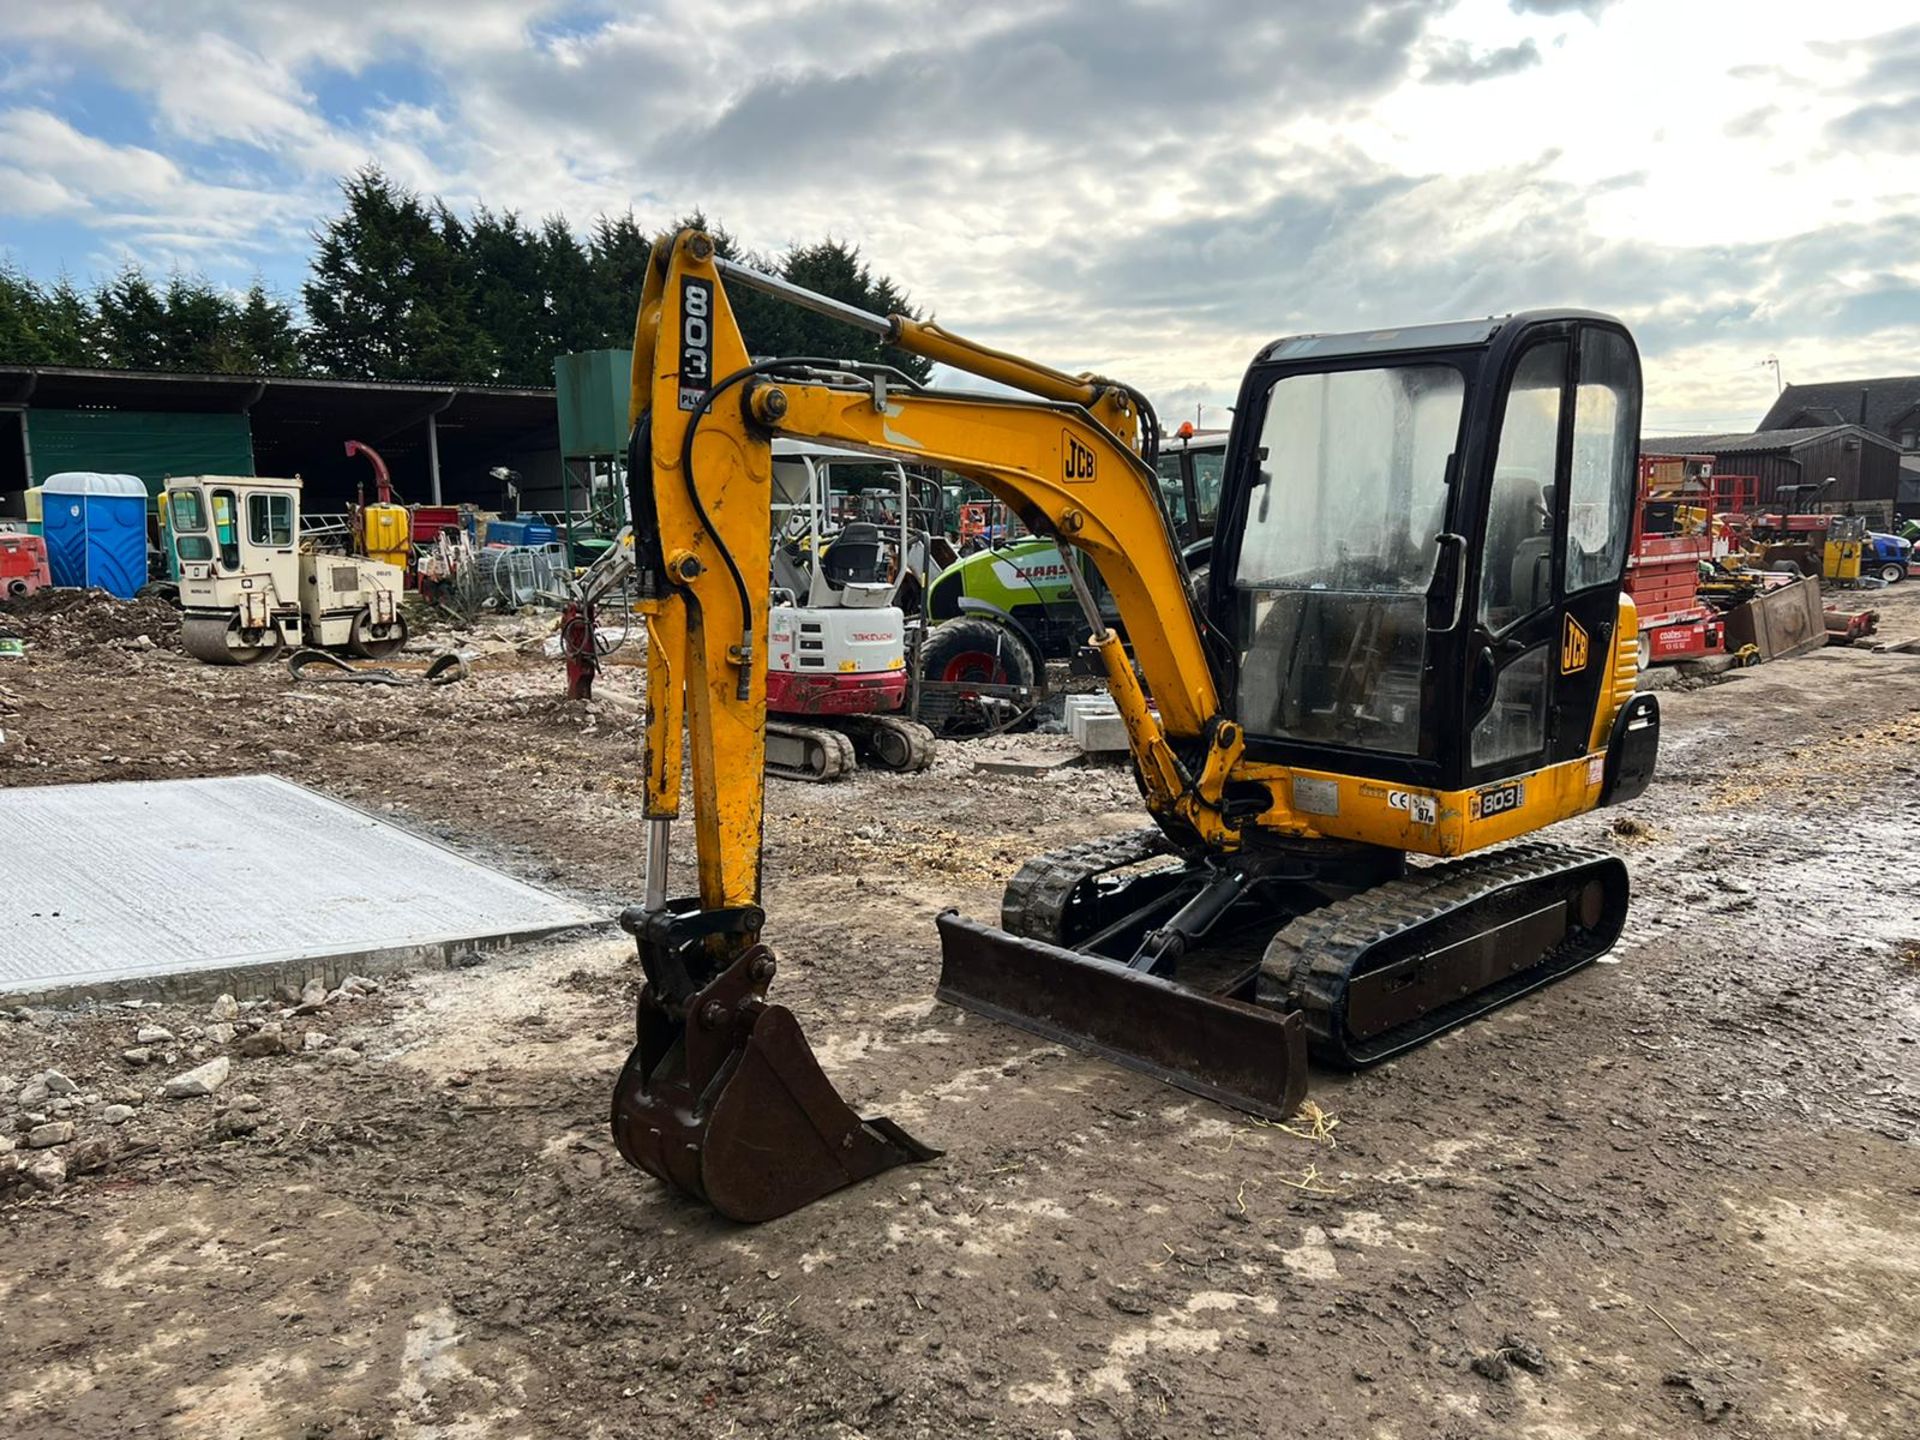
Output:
x,y
1839,402
52,374
378,405
1735,442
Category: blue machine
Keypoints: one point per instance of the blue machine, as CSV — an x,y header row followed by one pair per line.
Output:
x,y
535,533
1886,556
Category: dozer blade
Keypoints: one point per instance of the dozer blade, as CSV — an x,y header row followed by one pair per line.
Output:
x,y
1241,1055
733,1108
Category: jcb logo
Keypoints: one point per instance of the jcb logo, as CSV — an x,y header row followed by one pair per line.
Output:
x,y
1076,459
1574,646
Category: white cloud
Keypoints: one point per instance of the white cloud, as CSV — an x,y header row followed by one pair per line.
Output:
x,y
1148,189
31,194
140,201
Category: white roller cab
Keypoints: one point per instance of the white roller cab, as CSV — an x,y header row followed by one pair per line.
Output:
x,y
246,589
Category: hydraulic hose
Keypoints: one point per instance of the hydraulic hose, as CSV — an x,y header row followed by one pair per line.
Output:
x,y
700,505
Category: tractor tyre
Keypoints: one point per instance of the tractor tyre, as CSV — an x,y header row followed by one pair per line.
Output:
x,y
972,650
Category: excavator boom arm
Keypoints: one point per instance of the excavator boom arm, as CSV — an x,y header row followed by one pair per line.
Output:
x,y
1064,475
1065,461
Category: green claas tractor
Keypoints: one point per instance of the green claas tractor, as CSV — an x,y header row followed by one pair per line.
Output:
x,y
998,615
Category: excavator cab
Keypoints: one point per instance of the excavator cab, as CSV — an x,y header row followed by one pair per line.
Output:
x,y
1423,541
1416,580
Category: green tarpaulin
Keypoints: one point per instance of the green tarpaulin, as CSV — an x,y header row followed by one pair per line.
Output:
x,y
150,444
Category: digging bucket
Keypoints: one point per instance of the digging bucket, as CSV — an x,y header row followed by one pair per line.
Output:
x,y
730,1105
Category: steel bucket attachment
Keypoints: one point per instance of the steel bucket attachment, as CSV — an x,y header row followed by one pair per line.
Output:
x,y
723,1099
1241,1055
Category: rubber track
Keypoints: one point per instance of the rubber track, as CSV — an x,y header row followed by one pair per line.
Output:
x,y
830,753
1308,963
1036,899
919,738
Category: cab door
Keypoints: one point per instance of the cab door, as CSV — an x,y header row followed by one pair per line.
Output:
x,y
1555,521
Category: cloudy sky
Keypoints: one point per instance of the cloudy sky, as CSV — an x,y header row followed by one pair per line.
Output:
x,y
1153,188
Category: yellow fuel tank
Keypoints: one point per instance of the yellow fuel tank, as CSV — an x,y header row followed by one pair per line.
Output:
x,y
386,533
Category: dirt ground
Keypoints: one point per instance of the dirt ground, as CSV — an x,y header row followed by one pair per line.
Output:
x,y
1677,1190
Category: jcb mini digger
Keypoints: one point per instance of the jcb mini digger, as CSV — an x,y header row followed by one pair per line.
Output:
x,y
1409,646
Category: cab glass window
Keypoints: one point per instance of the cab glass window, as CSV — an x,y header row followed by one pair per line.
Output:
x,y
186,510
1208,467
226,528
1516,563
270,519
1338,552
1601,485
1173,492
1352,490
1515,725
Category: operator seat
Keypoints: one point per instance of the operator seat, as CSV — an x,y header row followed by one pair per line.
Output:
x,y
1531,577
1532,574
857,556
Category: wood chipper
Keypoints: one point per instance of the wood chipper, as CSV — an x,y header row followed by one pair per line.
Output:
x,y
248,590
383,530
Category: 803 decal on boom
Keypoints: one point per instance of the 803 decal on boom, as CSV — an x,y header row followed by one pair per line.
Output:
x,y
696,341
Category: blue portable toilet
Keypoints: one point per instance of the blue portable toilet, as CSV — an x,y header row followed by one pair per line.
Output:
x,y
96,530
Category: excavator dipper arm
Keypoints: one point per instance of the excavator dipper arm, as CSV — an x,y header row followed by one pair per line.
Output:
x,y
721,1096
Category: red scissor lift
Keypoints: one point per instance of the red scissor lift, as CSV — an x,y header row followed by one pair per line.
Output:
x,y
1684,516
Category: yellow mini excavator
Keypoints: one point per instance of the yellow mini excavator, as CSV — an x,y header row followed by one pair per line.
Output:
x,y
1407,648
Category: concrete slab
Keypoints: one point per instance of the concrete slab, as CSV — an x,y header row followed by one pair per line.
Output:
x,y
1013,765
180,888
1095,724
